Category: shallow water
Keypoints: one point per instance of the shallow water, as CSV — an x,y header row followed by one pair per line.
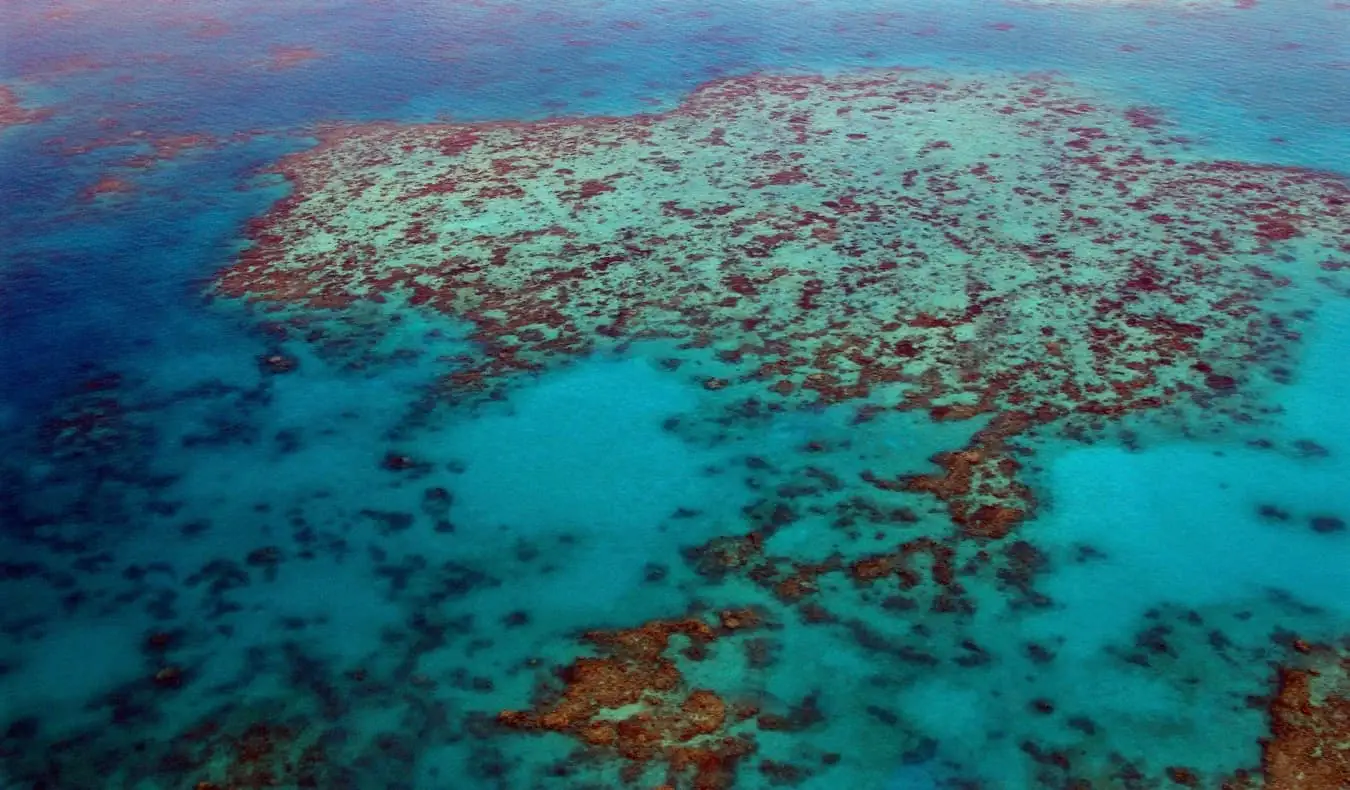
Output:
x,y
764,394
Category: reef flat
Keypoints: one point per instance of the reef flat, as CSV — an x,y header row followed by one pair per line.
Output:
x,y
907,241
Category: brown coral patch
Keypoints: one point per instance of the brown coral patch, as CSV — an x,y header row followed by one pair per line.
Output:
x,y
817,288
1310,725
12,113
262,755
738,619
632,700
978,482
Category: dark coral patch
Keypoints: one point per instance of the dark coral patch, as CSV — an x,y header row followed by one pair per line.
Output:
x,y
1309,745
278,363
771,263
663,722
1326,525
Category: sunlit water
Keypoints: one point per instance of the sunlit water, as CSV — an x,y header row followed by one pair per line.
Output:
x,y
765,394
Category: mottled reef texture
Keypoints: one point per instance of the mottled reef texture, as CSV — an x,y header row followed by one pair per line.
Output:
x,y
1310,722
909,240
12,113
1006,250
686,730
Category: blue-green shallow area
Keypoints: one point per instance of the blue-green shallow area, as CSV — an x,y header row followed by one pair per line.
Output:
x,y
366,569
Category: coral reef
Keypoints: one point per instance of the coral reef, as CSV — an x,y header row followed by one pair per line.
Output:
x,y
633,700
1059,264
12,113
1309,744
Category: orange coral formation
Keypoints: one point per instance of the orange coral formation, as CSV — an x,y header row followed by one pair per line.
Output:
x,y
685,731
737,619
14,114
1310,725
817,283
978,483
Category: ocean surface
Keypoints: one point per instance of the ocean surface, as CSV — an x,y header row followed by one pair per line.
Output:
x,y
769,393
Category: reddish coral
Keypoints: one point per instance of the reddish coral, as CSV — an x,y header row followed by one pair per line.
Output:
x,y
14,114
262,755
869,569
978,483
108,185
815,292
1310,725
738,619
801,582
281,58
278,363
688,732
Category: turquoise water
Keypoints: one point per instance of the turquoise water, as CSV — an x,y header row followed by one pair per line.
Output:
x,y
811,394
